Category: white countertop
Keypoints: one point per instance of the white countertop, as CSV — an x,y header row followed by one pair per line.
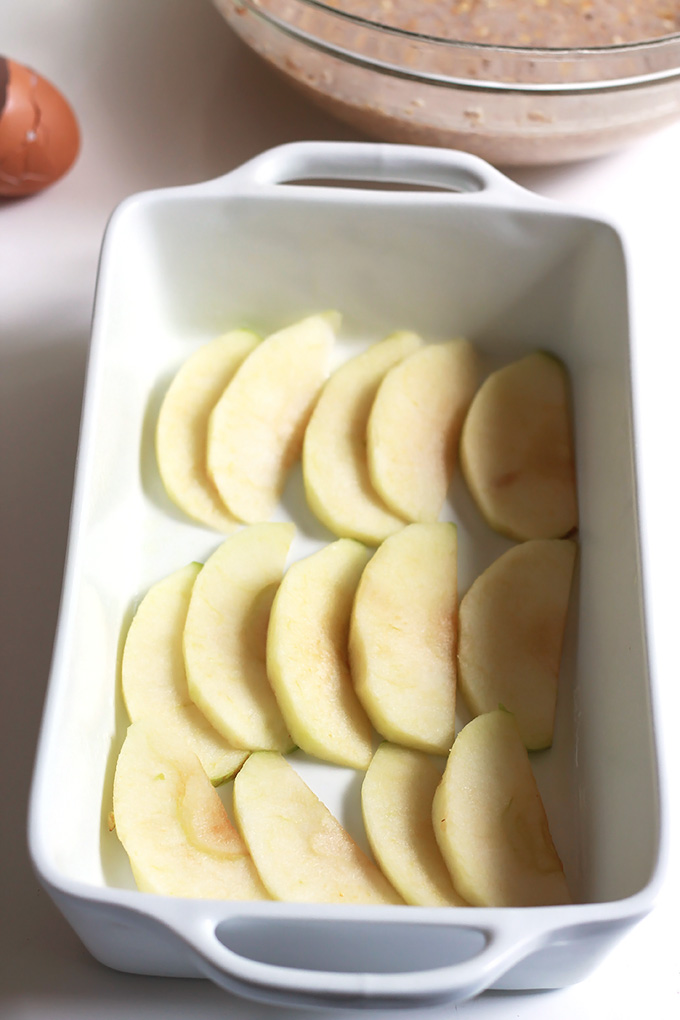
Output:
x,y
165,95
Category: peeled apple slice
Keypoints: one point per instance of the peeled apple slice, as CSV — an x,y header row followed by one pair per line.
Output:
x,y
396,800
182,428
154,678
511,631
402,649
173,824
307,660
256,429
516,450
225,637
414,427
490,822
302,853
334,461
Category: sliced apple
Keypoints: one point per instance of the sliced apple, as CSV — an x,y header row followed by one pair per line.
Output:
x,y
154,678
301,851
490,822
516,450
173,824
402,637
334,461
307,659
414,427
256,428
396,801
511,631
182,427
225,637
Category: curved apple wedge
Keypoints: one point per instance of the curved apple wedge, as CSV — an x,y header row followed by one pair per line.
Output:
x,y
173,825
414,427
490,822
511,626
402,637
301,851
396,801
334,460
307,659
182,427
154,678
225,637
516,450
256,429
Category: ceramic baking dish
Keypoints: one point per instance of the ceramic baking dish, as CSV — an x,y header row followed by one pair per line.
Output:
x,y
454,249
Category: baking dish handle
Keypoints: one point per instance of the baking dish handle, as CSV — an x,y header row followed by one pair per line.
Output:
x,y
376,162
496,950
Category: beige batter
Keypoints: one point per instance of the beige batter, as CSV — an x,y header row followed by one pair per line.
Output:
x,y
505,126
544,23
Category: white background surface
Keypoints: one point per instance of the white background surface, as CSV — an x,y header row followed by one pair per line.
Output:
x,y
165,95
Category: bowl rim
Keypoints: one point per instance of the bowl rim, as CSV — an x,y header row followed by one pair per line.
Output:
x,y
654,42
534,54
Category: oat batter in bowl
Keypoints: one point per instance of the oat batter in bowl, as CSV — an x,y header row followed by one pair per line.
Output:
x,y
541,23
518,82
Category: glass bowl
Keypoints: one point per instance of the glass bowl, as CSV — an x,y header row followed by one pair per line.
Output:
x,y
511,105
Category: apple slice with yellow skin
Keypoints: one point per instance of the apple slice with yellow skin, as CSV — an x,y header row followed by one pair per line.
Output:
x,y
173,825
414,427
396,801
256,429
182,427
334,460
511,626
517,453
402,643
154,678
307,660
302,853
225,637
490,822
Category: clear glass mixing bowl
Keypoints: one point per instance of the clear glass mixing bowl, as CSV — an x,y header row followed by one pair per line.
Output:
x,y
514,106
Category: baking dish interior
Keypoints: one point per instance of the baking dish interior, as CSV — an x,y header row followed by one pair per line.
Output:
x,y
183,266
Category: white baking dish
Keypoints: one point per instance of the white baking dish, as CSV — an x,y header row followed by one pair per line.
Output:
x,y
472,254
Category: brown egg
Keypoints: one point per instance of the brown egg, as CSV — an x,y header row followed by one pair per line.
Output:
x,y
39,135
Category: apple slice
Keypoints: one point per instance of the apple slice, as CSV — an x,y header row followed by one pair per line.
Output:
x,y
510,633
154,679
402,637
516,450
173,824
396,801
414,427
334,463
225,637
182,427
490,822
301,851
307,658
256,428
